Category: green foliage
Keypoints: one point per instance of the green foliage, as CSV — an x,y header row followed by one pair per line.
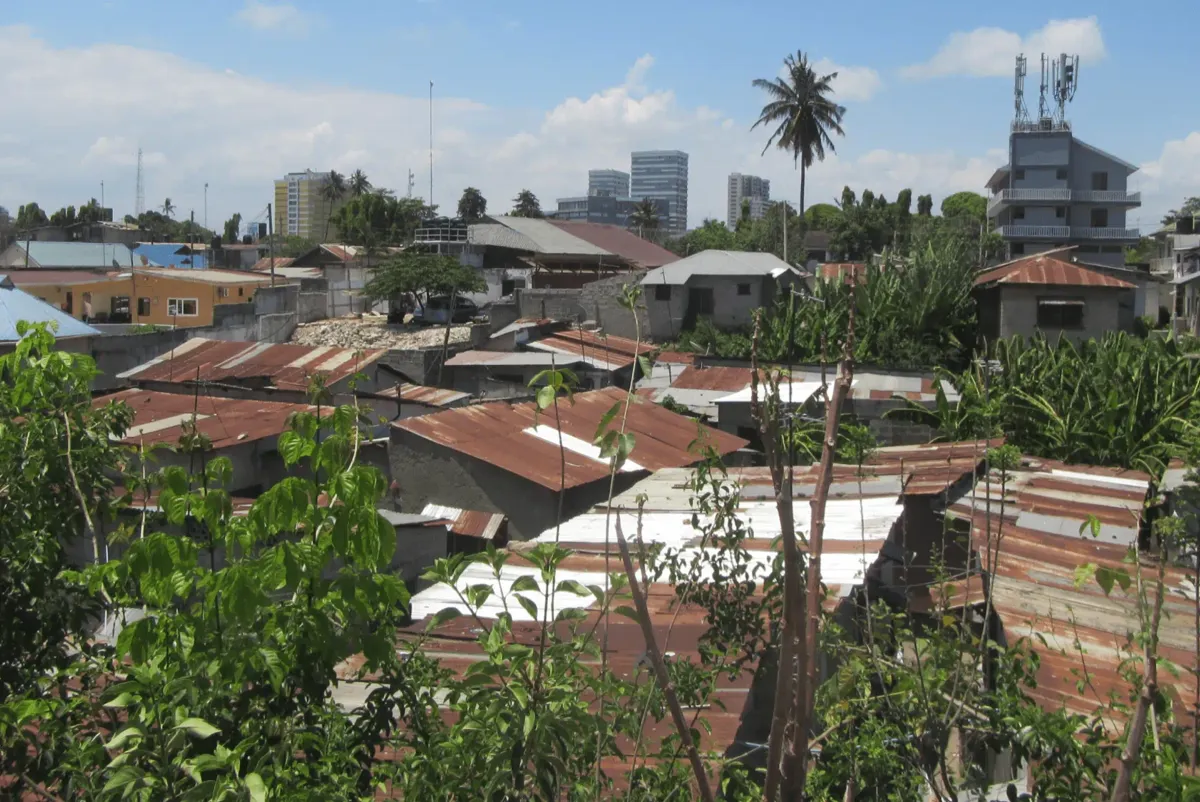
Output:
x,y
822,216
644,217
233,227
868,225
424,275
970,205
526,204
1190,208
376,220
160,227
472,206
30,215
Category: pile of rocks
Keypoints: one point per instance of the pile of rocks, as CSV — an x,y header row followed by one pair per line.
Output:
x,y
374,332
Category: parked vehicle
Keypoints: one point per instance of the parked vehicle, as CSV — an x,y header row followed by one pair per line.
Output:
x,y
435,310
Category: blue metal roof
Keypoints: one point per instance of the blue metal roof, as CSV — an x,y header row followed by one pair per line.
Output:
x,y
167,255
16,305
80,254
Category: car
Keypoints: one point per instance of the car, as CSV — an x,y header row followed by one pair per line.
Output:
x,y
434,311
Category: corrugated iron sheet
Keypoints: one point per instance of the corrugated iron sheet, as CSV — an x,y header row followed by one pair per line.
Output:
x,y
469,523
430,396
868,385
1047,270
500,434
264,264
1030,549
509,358
619,242
604,351
284,365
158,418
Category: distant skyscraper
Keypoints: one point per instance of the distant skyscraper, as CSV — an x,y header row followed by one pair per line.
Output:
x,y
300,210
612,183
663,175
751,188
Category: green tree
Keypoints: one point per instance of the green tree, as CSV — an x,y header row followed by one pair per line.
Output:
x,y
802,112
233,227
333,192
924,205
63,217
168,208
424,275
644,217
359,185
89,212
526,204
822,216
966,204
30,216
472,206
1190,208
710,235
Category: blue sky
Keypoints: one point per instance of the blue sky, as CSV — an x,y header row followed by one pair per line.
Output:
x,y
532,94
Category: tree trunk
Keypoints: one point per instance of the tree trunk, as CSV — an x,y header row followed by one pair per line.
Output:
x,y
802,187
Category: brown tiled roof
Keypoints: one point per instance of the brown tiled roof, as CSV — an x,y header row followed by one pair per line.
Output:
x,y
618,241
284,365
158,417
500,434
1047,270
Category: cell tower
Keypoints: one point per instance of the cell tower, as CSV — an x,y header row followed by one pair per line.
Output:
x,y
1020,114
1066,81
411,181
140,205
1043,109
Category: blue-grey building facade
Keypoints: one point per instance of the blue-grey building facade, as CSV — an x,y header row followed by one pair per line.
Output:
x,y
1057,190
662,175
606,209
611,183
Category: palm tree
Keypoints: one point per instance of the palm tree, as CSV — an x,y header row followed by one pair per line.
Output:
x,y
333,191
168,207
644,216
359,185
803,113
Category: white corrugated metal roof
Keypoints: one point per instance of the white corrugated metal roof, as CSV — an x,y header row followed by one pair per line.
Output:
x,y
510,359
789,393
535,232
719,263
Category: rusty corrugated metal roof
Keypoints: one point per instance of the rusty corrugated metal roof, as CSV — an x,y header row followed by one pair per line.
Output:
x,y
1047,270
868,384
605,351
158,418
264,264
619,242
504,435
469,523
1030,548
430,396
283,365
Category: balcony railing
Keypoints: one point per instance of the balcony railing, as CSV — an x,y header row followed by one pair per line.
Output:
x,y
1062,195
1163,265
1091,232
1034,232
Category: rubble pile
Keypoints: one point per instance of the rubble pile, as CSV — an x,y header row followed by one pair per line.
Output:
x,y
374,332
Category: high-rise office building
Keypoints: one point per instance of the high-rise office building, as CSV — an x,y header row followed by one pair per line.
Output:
x,y
603,209
663,175
755,190
300,208
610,183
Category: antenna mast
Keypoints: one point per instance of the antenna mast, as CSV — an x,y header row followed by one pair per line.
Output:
x,y
1020,113
1043,109
139,205
1066,81
411,181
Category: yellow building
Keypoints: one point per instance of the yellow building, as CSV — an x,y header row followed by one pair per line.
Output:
x,y
300,208
152,295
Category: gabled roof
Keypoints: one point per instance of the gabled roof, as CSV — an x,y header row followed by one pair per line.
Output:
x,y
286,366
603,351
78,254
720,263
1105,154
1046,270
569,238
620,242
516,439
16,305
169,254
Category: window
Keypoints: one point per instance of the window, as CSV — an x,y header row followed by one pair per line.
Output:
x,y
743,289
662,292
1019,175
1018,249
1100,181
1099,218
1060,212
1060,313
222,292
1018,213
143,307
182,307
241,291
1061,174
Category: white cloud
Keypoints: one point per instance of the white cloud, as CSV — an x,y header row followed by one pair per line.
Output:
x,y
989,52
851,83
86,110
1166,181
279,17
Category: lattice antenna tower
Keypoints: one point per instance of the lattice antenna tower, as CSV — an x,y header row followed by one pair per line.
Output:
x,y
1043,107
411,181
139,205
1066,81
1020,113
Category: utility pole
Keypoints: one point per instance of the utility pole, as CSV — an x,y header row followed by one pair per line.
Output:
x,y
271,242
431,143
205,204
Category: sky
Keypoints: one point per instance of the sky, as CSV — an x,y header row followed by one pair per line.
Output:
x,y
531,94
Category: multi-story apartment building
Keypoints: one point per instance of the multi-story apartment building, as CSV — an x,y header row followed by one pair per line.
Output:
x,y
611,183
662,174
607,209
1058,190
300,208
755,190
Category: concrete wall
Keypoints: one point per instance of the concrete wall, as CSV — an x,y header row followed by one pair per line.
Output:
x,y
601,300
1018,311
557,304
730,310
313,306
